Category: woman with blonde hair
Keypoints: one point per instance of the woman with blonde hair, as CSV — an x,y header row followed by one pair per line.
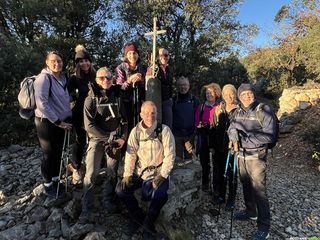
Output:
x,y
203,121
221,121
78,88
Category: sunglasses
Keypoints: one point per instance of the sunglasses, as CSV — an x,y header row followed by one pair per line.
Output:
x,y
101,78
164,55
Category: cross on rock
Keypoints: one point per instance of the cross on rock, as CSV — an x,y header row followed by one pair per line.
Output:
x,y
154,34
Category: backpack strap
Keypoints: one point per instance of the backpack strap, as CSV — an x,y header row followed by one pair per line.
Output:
x,y
201,113
259,113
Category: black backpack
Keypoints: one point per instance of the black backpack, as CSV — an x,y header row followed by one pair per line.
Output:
x,y
259,116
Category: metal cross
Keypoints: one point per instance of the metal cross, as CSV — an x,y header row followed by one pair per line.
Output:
x,y
154,34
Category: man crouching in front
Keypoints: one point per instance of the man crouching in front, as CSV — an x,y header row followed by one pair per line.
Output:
x,y
148,162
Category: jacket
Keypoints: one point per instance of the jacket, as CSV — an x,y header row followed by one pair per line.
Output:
x,y
55,107
78,88
206,117
122,74
104,113
254,135
184,109
166,78
221,123
145,150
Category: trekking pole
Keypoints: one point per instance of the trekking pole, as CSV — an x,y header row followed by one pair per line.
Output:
x,y
62,160
135,104
211,171
234,183
66,158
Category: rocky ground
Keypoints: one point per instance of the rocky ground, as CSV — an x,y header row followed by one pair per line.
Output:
x,y
293,188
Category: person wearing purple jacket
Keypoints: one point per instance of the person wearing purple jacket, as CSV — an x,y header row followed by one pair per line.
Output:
x,y
130,74
253,136
51,116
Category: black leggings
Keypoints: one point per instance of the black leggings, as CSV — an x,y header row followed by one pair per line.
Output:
x,y
51,141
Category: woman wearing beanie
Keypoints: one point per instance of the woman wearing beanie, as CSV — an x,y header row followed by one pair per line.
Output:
x,y
78,88
130,74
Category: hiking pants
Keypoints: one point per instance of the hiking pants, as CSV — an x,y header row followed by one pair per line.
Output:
x,y
252,169
219,181
181,151
95,154
51,141
157,197
79,146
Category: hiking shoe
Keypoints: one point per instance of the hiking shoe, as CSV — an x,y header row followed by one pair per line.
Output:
x,y
50,191
62,187
149,230
244,216
260,235
111,207
76,177
85,217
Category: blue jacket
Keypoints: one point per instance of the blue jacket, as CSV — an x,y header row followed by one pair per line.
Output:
x,y
253,134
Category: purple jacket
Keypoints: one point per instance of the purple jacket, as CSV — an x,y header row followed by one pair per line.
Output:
x,y
54,105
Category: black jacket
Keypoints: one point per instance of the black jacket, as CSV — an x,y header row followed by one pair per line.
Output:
x,y
104,113
221,123
78,89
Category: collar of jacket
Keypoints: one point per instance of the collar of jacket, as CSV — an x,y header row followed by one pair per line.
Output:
x,y
251,107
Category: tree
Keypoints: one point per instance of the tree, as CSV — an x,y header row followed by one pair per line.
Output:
x,y
199,32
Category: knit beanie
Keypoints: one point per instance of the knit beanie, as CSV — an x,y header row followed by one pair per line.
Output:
x,y
245,87
130,47
81,53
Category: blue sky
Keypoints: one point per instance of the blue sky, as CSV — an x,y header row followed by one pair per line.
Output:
x,y
261,13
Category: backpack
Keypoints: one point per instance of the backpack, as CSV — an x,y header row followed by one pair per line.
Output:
x,y
157,131
26,97
192,99
259,116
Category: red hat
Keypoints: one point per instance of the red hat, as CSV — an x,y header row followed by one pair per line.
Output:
x,y
130,47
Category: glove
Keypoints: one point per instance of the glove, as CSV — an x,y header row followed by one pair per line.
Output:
x,y
126,182
234,146
233,135
157,181
188,146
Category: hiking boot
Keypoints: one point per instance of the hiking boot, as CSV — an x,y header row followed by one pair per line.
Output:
x,y
229,205
111,207
85,217
136,221
260,235
149,230
244,216
62,187
214,212
50,191
76,177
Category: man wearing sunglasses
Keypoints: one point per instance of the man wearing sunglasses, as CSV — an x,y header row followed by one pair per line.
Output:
x,y
106,124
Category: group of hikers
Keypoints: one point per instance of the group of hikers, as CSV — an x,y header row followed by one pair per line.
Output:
x,y
112,120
